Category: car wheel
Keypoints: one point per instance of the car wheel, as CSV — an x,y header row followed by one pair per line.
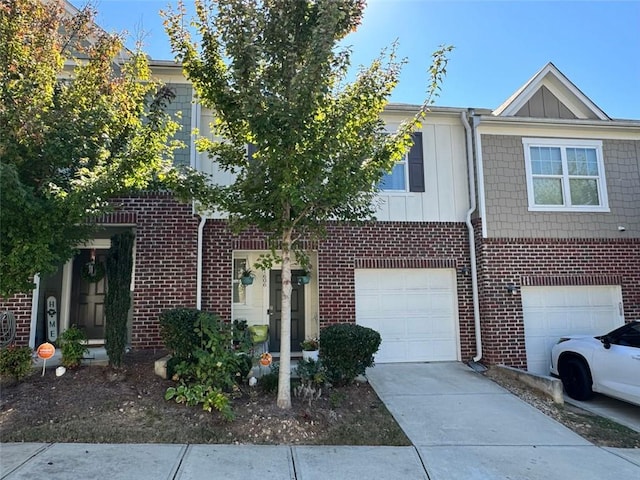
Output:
x,y
576,379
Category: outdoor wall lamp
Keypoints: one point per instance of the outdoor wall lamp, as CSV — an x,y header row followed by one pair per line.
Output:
x,y
512,288
464,270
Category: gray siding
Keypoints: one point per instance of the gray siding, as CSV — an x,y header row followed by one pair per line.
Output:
x,y
506,202
544,104
182,103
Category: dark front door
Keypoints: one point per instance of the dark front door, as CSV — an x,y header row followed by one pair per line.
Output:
x,y
275,310
87,297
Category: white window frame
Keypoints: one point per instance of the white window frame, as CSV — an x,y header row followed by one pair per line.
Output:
x,y
563,144
405,163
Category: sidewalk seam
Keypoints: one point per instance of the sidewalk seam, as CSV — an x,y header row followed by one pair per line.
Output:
x,y
38,452
293,462
424,467
176,470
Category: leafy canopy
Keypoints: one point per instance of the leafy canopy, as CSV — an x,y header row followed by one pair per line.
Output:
x,y
80,121
274,76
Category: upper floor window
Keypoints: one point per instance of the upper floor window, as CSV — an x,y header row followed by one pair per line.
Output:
x,y
396,180
565,175
407,175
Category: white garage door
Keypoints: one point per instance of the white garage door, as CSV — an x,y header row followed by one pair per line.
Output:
x,y
551,312
414,310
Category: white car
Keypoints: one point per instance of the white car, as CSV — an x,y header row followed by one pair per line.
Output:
x,y
608,364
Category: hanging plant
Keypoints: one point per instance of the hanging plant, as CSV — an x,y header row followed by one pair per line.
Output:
x,y
93,271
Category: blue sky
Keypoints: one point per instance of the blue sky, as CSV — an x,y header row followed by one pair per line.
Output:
x,y
499,45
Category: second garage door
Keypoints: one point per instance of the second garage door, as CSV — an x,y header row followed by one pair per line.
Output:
x,y
551,312
414,310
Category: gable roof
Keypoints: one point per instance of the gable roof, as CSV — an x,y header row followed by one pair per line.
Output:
x,y
552,83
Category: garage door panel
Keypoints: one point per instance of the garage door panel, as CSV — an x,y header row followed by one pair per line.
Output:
x,y
552,312
419,327
392,330
417,302
415,312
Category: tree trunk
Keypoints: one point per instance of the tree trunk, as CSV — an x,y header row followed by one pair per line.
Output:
x,y
284,378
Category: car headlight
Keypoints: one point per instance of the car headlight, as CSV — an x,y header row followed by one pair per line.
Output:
x,y
563,339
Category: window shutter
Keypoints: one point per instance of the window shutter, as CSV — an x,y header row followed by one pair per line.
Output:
x,y
416,164
251,149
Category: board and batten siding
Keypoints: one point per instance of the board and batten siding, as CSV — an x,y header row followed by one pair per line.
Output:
x,y
446,197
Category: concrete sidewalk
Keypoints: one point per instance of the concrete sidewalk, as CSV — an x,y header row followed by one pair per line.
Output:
x,y
462,425
196,462
465,426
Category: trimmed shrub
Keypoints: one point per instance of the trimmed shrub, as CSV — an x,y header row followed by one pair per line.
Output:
x,y
178,331
346,350
16,362
73,344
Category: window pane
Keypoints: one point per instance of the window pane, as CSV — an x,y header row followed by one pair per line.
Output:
x,y
239,290
547,191
582,161
546,161
239,264
584,191
394,180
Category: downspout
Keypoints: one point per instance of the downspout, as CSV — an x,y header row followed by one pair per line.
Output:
x,y
203,220
472,242
196,112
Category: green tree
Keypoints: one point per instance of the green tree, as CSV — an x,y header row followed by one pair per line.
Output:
x,y
80,121
273,73
118,301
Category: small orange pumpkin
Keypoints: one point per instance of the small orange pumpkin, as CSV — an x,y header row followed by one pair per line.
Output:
x,y
266,359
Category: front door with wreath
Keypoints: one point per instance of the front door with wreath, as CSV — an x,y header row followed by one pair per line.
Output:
x,y
88,291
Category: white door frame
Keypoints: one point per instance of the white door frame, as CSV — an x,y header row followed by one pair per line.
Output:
x,y
64,306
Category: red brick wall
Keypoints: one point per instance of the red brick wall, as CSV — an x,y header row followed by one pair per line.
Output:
x,y
20,306
379,245
538,262
392,245
165,263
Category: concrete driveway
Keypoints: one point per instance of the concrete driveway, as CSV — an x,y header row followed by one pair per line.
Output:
x,y
465,426
621,412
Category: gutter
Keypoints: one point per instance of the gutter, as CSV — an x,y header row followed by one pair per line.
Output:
x,y
472,242
203,220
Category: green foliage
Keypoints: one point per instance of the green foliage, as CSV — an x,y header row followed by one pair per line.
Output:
x,y
310,345
241,337
178,331
118,301
274,75
336,399
16,362
208,396
269,381
311,372
347,350
73,343
172,363
208,367
67,146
